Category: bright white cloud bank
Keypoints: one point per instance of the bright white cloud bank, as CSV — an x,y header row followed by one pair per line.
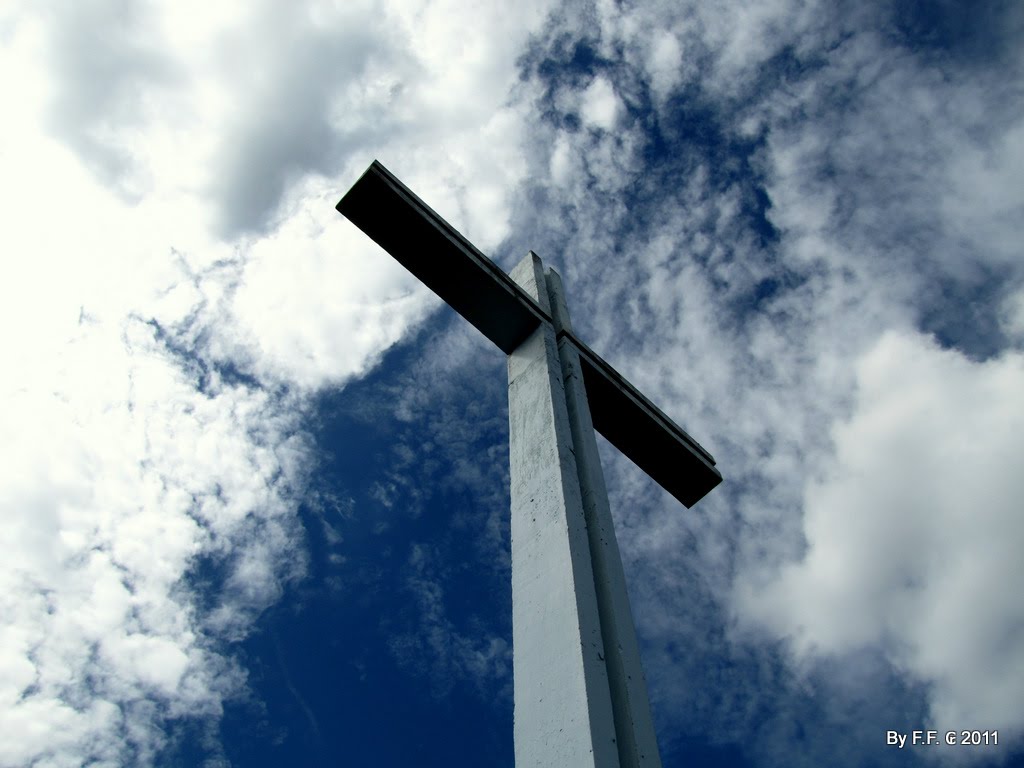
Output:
x,y
167,225
914,535
119,476
125,466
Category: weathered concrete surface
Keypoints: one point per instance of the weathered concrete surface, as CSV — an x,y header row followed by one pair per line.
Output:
x,y
636,740
563,709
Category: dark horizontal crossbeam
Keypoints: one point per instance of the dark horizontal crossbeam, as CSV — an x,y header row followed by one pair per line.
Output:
x,y
429,247
446,262
639,429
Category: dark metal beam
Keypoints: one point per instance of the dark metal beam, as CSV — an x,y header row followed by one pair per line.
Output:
x,y
639,429
446,262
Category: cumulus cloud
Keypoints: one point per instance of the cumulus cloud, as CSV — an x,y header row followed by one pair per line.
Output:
x,y
108,80
316,302
913,536
294,112
123,476
600,106
664,63
1012,317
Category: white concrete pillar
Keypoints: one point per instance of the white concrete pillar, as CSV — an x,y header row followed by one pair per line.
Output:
x,y
636,740
563,708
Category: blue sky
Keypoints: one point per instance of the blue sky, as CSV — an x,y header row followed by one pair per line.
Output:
x,y
255,496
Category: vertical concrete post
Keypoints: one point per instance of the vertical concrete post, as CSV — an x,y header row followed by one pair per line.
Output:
x,y
635,737
563,710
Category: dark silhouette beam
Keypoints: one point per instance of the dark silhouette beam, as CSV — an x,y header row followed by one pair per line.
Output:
x,y
475,287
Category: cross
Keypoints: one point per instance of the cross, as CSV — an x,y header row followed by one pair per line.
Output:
x,y
580,697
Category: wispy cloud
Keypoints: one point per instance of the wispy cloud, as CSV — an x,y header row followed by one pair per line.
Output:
x,y
439,648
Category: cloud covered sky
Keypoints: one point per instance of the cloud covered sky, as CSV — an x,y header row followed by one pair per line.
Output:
x,y
255,497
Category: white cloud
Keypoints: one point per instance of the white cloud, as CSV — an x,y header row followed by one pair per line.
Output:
x,y
717,47
917,169
560,166
1012,316
120,475
317,302
109,71
982,197
171,220
665,63
914,535
748,34
600,106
